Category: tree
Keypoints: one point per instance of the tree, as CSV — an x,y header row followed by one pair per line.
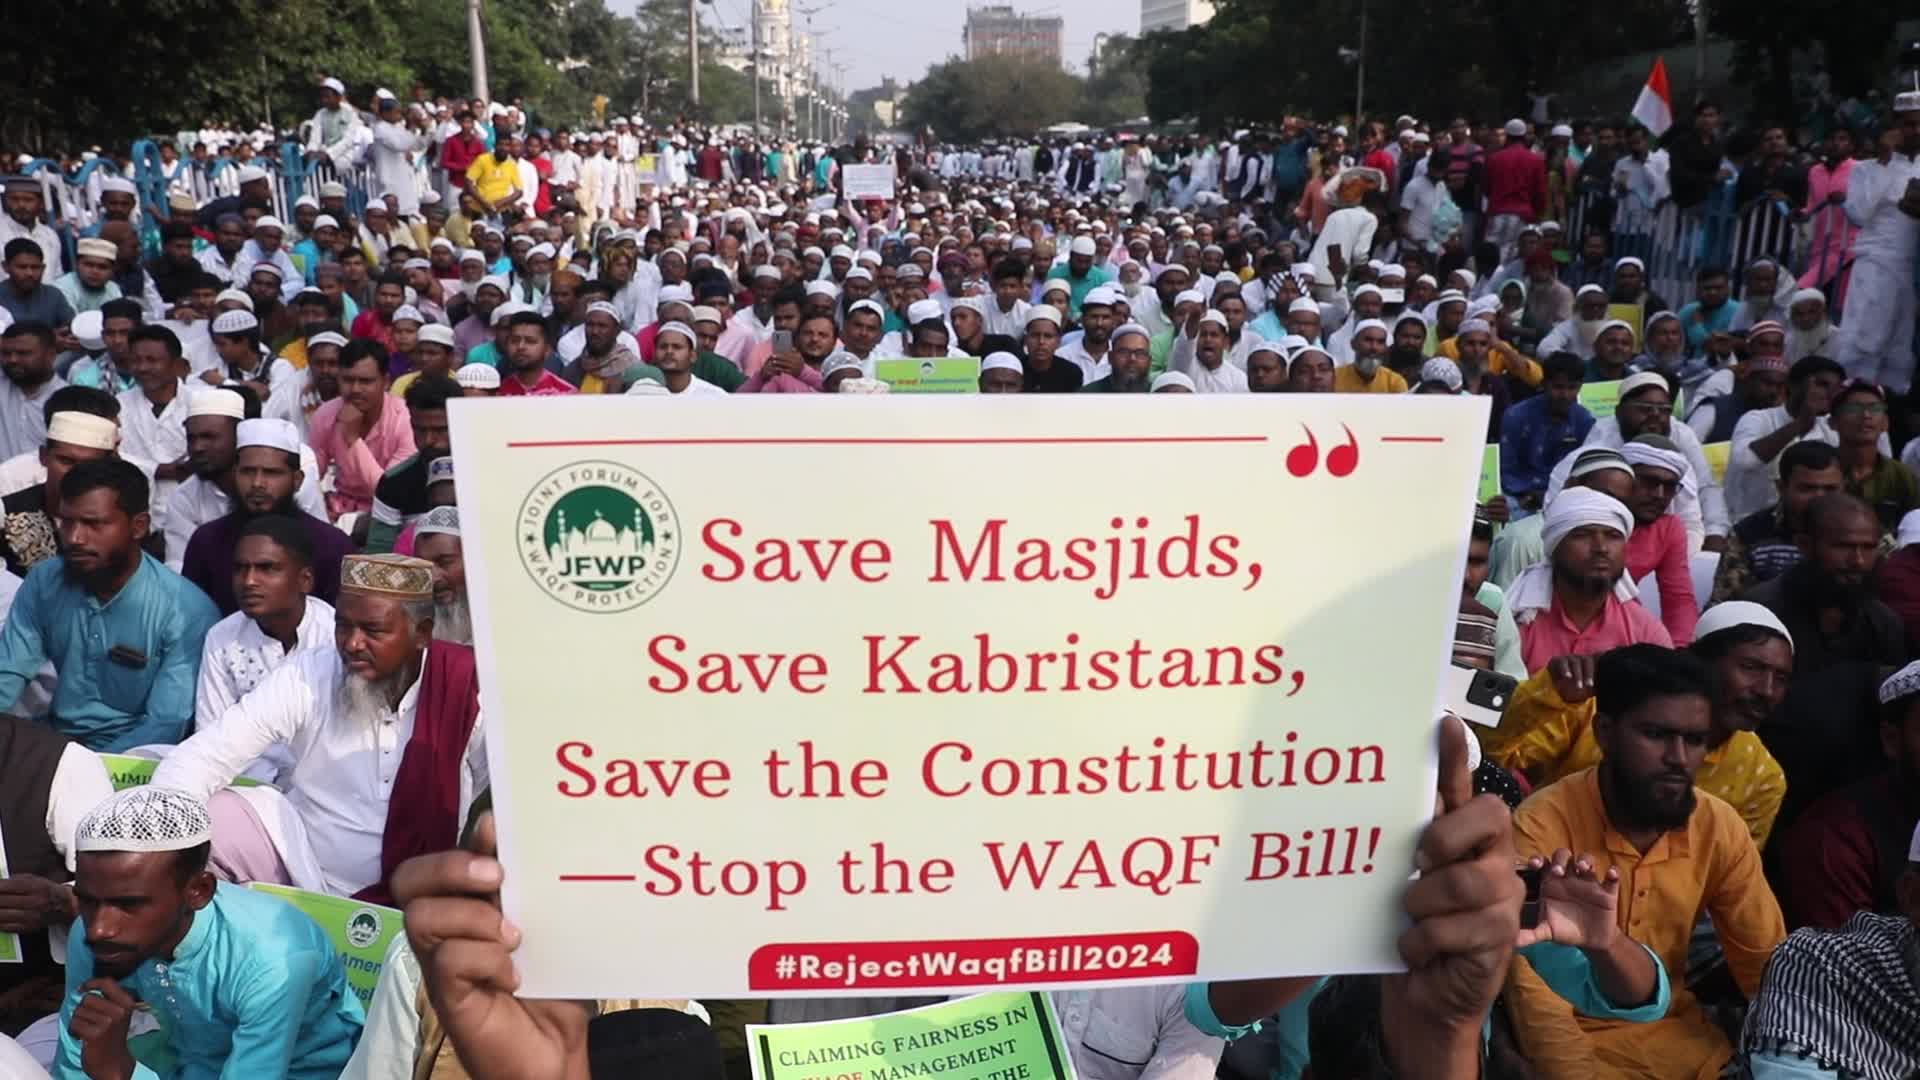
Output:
x,y
1855,37
992,97
1116,87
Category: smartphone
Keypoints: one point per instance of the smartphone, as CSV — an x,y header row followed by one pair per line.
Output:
x,y
1476,696
782,341
1530,909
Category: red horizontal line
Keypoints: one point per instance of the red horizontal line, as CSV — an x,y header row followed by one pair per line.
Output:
x,y
1412,438
599,877
1036,440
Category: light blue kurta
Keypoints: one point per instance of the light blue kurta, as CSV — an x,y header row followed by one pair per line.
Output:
x,y
107,704
255,990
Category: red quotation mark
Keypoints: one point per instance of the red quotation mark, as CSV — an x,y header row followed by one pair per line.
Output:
x,y
1341,460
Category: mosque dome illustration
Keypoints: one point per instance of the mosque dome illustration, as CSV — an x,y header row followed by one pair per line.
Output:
x,y
598,536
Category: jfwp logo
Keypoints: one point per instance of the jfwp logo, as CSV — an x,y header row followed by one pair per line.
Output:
x,y
364,928
598,536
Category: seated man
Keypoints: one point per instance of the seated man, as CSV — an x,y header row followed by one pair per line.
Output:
x,y
1680,853
123,632
437,541
265,477
1538,432
1760,546
1658,547
401,495
1844,1003
371,724
1762,434
50,782
214,417
1843,856
1827,601
272,575
30,529
241,983
1646,408
1860,422
1547,731
1578,599
1518,546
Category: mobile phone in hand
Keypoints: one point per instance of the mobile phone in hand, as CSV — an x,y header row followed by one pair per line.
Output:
x,y
782,341
1530,909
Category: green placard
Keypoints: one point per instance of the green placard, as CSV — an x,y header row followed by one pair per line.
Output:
x,y
360,931
944,375
1601,398
991,1035
126,770
9,943
1490,472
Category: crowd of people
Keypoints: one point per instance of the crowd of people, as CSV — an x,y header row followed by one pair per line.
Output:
x,y
223,435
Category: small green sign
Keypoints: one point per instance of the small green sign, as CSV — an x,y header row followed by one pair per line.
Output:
x,y
942,375
1490,472
1009,1034
126,770
360,931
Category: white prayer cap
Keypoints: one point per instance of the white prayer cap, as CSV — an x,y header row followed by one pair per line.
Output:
x,y
818,287
924,311
766,270
1214,316
841,251
477,377
1273,347
264,431
840,361
118,184
441,468
95,248
441,520
249,173
1443,371
1363,290
1292,343
473,255
604,308
1189,296
1909,531
1731,613
265,268
681,293
1304,269
702,313
859,273
333,189
1486,305
868,305
217,401
1056,285
1082,245
330,337
1371,324
1045,313
1902,683
1302,303
1472,278
1907,102
1451,296
145,819
416,263
83,429
868,257
1619,324
1021,243
1589,288
1171,380
542,248
1475,326
1516,127
1639,381
235,322
433,334
1169,268
334,85
408,313
442,242
89,326
306,200
1100,296
1421,137
1001,361
506,311
1561,131
1629,260
1802,296
268,221
494,281
677,327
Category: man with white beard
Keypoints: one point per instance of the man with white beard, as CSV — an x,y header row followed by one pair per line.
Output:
x,y
437,540
384,736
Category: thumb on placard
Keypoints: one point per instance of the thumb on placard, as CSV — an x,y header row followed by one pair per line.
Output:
x,y
1456,779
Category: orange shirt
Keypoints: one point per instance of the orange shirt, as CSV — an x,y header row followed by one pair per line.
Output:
x,y
1709,867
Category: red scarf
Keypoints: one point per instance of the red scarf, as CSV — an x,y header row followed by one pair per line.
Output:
x,y
423,814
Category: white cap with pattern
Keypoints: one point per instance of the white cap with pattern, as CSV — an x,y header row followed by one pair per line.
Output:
x,y
145,819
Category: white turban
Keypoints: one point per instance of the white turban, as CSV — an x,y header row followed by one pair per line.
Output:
x,y
1573,508
1641,453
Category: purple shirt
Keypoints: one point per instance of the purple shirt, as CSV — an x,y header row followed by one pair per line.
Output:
x,y
208,562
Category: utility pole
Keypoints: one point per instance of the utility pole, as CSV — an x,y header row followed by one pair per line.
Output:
x,y
1360,91
753,38
477,48
693,54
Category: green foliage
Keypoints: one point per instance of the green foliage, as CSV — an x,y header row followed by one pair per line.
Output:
x,y
993,97
166,65
1116,86
1861,32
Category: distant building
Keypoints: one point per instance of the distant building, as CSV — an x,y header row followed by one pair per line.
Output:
x,y
999,30
1173,14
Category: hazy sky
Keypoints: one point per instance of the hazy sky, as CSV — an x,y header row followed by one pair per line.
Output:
x,y
901,38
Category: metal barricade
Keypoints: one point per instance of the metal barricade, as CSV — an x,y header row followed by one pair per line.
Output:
x,y
1764,229
1827,253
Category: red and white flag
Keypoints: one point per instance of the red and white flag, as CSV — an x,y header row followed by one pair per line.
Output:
x,y
1654,107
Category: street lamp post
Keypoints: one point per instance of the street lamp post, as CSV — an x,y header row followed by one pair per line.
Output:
x,y
477,47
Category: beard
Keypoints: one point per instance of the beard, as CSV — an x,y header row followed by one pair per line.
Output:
x,y
453,620
1591,584
285,507
1640,802
109,570
368,702
1820,589
1366,366
1129,383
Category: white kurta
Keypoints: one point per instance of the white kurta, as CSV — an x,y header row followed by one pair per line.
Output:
x,y
1225,379
393,174
327,826
237,656
197,501
1876,336
160,439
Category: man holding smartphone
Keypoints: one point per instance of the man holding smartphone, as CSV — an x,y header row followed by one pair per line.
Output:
x,y
1883,200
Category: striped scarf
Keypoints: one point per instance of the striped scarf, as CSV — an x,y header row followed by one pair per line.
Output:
x,y
1847,999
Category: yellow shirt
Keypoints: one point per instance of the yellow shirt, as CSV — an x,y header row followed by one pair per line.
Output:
x,y
1508,361
1385,381
399,387
1548,739
1708,867
493,179
295,353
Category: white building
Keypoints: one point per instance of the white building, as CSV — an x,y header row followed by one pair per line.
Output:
x,y
1173,14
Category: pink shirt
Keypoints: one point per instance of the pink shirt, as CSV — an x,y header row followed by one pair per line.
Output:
x,y
1661,549
548,386
1550,634
360,464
